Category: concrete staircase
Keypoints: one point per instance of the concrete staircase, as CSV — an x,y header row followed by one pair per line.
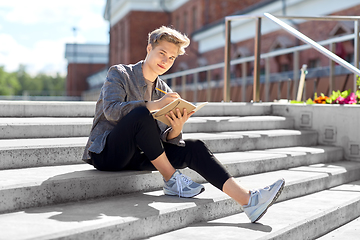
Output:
x,y
47,192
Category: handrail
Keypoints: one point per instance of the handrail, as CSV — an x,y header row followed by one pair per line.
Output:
x,y
314,44
308,18
257,38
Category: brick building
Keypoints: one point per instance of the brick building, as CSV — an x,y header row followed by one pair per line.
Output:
x,y
84,60
203,22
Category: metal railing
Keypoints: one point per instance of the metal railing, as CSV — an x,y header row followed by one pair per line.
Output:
x,y
256,59
297,34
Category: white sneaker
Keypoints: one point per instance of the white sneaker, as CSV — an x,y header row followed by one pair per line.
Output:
x,y
181,185
261,199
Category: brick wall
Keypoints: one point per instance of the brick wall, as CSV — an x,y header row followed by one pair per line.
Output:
x,y
128,37
76,77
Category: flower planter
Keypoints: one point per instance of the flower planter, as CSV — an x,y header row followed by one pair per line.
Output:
x,y
337,125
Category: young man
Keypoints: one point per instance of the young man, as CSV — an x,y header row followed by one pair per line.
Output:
x,y
125,136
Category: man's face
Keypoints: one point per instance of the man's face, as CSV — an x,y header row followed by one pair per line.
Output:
x,y
162,57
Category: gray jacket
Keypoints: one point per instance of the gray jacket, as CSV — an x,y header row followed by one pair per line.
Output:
x,y
123,90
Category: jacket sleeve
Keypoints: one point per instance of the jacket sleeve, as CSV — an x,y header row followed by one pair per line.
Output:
x,y
114,93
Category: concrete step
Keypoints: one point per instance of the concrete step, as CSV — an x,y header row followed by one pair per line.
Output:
x,y
235,123
349,230
306,217
20,153
40,127
87,109
46,109
235,109
52,127
23,153
149,213
251,140
50,185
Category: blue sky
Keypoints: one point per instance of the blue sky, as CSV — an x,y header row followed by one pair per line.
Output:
x,y
34,32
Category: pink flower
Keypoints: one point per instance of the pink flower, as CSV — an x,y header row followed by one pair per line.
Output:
x,y
350,99
340,100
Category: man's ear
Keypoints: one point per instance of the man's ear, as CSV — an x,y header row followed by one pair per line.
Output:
x,y
148,48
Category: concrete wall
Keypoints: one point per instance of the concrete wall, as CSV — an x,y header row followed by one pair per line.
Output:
x,y
337,125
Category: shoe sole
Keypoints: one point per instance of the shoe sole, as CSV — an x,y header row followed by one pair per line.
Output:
x,y
272,202
171,193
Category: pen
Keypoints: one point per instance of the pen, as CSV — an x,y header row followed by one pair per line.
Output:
x,y
161,90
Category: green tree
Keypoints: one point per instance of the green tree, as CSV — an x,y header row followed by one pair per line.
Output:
x,y
9,84
29,84
19,82
51,85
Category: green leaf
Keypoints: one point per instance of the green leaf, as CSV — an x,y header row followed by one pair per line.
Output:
x,y
345,93
309,101
328,101
335,95
294,101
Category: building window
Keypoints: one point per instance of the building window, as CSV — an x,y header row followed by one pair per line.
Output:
x,y
284,67
350,58
185,23
314,63
177,23
194,19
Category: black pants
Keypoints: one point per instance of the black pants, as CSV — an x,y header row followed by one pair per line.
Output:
x,y
135,142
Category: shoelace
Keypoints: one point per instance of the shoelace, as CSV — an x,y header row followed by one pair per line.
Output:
x,y
256,192
178,178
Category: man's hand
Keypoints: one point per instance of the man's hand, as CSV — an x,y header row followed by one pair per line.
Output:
x,y
162,102
177,122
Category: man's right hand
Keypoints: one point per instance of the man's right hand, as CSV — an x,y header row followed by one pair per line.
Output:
x,y
162,102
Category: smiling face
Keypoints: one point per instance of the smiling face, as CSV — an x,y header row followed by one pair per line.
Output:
x,y
159,59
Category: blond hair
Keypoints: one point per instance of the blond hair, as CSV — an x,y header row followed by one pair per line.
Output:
x,y
170,35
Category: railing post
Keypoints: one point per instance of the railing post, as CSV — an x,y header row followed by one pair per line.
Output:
x,y
227,61
256,84
208,89
288,89
332,70
244,78
173,83
296,73
356,49
196,80
267,78
183,86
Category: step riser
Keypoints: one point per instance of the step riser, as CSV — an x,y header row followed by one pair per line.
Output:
x,y
48,129
268,165
44,131
260,142
212,126
36,157
235,109
102,184
182,218
46,109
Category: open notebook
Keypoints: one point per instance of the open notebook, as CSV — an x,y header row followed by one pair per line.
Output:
x,y
178,103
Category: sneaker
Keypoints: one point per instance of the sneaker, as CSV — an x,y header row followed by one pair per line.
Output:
x,y
181,185
261,199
